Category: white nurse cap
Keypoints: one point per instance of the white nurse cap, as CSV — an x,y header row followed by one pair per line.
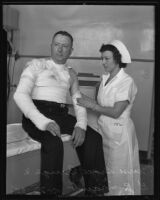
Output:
x,y
122,50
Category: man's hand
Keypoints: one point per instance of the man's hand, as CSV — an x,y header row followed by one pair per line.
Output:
x,y
53,128
78,137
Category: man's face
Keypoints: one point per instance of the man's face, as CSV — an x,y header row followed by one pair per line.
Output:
x,y
61,48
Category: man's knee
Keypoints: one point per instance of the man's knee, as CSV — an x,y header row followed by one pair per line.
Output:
x,y
93,135
52,144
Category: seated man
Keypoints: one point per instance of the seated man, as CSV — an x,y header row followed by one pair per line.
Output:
x,y
41,96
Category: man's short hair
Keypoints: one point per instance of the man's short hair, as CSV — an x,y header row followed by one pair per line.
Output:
x,y
63,33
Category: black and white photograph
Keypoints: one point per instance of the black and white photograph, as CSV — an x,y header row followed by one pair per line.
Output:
x,y
80,98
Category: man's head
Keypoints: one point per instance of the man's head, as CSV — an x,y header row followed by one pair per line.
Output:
x,y
61,47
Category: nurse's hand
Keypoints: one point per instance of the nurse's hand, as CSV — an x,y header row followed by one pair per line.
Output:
x,y
53,128
86,102
87,98
78,137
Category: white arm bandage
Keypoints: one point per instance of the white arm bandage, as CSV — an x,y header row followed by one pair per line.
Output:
x,y
80,112
23,99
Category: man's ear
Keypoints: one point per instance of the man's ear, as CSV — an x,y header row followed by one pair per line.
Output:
x,y
71,50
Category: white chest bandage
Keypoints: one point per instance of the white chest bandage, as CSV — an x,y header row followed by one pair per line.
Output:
x,y
37,83
45,80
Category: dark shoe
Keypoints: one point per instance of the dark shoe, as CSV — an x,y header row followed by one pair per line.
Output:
x,y
94,193
75,176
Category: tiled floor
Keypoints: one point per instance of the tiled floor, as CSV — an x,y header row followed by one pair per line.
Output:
x,y
147,179
147,183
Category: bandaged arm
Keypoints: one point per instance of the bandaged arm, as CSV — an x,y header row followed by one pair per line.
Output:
x,y
23,98
80,112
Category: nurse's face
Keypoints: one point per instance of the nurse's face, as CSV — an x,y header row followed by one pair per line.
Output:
x,y
61,48
108,62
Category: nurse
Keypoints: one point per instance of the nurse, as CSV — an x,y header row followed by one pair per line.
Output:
x,y
116,95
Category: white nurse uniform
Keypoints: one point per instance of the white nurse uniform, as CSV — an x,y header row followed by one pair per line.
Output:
x,y
119,137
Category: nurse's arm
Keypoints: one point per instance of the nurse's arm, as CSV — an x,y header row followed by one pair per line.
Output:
x,y
114,111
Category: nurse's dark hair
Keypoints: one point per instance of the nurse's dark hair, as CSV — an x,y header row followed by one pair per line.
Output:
x,y
63,33
116,54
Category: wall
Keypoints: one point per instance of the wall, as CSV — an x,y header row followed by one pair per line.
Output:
x,y
91,26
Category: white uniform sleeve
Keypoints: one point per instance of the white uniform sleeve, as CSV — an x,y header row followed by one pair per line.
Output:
x,y
126,91
23,99
80,112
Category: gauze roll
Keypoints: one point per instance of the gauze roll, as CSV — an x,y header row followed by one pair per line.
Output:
x,y
80,112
